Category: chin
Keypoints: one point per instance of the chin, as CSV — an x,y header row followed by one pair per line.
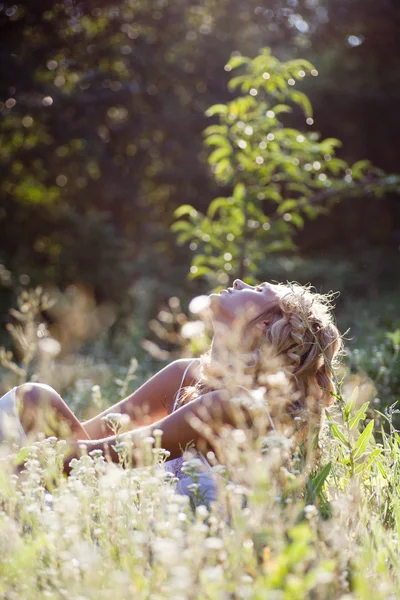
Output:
x,y
215,300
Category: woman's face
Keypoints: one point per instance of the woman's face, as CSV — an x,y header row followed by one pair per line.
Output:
x,y
244,302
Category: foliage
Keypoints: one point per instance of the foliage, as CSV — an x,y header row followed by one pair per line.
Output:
x,y
102,107
277,174
280,525
381,363
291,523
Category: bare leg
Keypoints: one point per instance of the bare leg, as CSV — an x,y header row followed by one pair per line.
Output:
x,y
42,410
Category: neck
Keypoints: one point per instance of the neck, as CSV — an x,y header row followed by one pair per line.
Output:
x,y
220,343
229,348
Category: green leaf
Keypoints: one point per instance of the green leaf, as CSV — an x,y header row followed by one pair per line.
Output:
x,y
217,140
217,109
200,272
298,64
394,337
350,404
239,192
215,205
236,81
185,209
315,484
359,167
220,129
338,434
336,165
360,415
362,442
222,168
303,101
328,145
23,455
297,220
278,246
200,260
218,154
237,61
282,108
181,226
381,468
364,466
286,206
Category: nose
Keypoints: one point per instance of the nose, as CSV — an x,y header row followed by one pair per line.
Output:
x,y
238,284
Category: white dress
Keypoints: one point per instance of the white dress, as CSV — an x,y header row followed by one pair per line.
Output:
x,y
203,476
10,426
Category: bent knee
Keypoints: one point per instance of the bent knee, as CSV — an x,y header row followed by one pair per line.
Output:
x,y
37,393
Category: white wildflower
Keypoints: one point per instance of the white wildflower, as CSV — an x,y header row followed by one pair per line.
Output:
x,y
113,418
199,304
202,512
192,329
167,551
193,487
310,511
212,573
213,543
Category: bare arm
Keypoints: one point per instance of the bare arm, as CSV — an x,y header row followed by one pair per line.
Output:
x,y
179,428
151,402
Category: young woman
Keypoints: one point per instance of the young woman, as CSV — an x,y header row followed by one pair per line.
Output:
x,y
292,321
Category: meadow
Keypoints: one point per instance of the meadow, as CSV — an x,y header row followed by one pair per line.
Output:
x,y
154,151
287,525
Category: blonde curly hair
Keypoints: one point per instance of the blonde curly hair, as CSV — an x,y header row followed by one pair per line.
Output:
x,y
300,329
301,338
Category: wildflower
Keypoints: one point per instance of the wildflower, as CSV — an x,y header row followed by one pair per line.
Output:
x,y
163,453
213,543
112,418
166,551
199,304
219,469
170,477
189,466
276,439
192,329
157,433
96,453
202,511
310,511
120,447
193,487
212,573
148,440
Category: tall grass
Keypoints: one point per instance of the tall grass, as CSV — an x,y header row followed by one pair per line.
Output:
x,y
284,527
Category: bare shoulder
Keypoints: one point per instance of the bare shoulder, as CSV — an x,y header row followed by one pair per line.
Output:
x,y
190,367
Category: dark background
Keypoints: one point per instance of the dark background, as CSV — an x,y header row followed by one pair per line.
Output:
x,y
101,118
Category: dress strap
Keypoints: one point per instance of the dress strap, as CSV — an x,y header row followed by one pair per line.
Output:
x,y
181,386
266,408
